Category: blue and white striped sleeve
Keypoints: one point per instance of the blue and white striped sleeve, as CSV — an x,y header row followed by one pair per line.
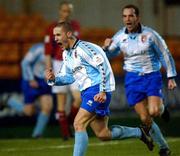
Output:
x,y
164,55
64,77
26,65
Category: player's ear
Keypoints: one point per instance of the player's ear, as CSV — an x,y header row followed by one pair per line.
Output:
x,y
69,34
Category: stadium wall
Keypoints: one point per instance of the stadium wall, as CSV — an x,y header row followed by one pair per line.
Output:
x,y
105,13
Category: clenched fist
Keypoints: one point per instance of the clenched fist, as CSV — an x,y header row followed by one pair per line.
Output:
x,y
49,75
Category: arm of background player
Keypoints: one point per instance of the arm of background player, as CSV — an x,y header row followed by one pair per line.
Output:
x,y
29,58
111,48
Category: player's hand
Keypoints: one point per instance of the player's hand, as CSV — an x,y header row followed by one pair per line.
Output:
x,y
107,43
172,84
100,97
33,84
49,75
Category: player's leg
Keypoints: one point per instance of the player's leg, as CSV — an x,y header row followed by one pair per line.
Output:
x,y
117,132
142,110
29,109
25,106
61,116
16,104
154,94
100,127
149,126
155,108
43,116
84,116
154,91
76,102
154,104
135,86
82,119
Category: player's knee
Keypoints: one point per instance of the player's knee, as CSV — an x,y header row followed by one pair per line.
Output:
x,y
144,118
47,109
154,112
29,112
78,126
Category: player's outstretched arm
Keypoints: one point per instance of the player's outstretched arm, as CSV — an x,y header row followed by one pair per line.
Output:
x,y
59,80
107,43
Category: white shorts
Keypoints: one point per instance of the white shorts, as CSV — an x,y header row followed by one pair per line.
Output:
x,y
62,89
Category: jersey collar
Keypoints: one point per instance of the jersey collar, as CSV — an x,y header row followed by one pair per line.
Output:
x,y
75,44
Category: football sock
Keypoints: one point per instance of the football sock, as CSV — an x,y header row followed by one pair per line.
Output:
x,y
157,136
81,143
16,105
121,132
63,122
41,123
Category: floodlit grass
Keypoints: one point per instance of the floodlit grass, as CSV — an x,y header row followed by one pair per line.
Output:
x,y
57,147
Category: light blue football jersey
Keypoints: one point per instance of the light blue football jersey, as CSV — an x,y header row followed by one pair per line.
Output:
x,y
144,51
88,65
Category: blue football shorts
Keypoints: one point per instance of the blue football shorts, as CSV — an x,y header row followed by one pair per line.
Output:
x,y
139,87
88,103
30,94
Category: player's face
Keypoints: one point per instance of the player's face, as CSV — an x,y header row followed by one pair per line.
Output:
x,y
61,37
65,11
130,19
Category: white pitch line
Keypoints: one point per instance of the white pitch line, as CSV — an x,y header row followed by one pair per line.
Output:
x,y
57,147
71,146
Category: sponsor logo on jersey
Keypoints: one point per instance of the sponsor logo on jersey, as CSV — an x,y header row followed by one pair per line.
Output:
x,y
77,69
89,102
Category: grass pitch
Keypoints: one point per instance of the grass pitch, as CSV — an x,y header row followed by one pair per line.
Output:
x,y
57,147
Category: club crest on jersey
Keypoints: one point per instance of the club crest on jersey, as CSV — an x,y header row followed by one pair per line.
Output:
x,y
143,38
65,58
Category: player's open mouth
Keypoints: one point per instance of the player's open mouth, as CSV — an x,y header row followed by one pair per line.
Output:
x,y
128,24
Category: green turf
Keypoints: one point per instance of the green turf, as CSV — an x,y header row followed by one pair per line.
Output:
x,y
56,147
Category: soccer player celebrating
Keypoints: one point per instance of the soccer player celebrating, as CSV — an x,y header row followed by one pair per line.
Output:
x,y
87,63
144,52
53,54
